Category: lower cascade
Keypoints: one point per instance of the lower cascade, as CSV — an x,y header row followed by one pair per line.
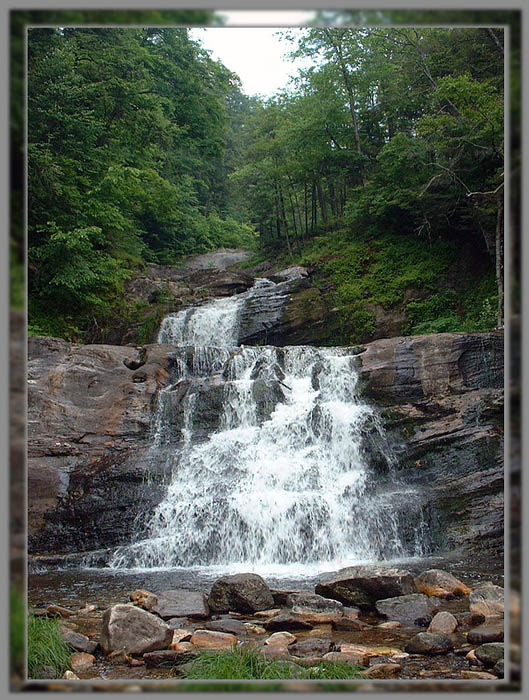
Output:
x,y
275,458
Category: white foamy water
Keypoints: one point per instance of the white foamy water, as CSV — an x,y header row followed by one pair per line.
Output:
x,y
284,479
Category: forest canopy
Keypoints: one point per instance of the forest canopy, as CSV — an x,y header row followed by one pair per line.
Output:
x,y
142,148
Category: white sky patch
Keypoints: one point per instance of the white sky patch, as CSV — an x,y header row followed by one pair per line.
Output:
x,y
255,54
270,18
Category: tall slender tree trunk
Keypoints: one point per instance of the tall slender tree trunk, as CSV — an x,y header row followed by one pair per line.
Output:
x,y
321,199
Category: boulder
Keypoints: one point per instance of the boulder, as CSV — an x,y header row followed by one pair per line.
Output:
x,y
489,654
213,640
245,593
443,623
487,599
488,632
441,584
428,643
180,603
407,608
133,630
365,585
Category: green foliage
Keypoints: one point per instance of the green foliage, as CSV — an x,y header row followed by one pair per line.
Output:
x,y
17,616
246,663
46,647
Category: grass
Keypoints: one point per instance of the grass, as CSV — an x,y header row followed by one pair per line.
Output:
x,y
248,664
16,632
46,647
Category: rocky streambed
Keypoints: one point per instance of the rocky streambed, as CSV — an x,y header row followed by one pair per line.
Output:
x,y
382,619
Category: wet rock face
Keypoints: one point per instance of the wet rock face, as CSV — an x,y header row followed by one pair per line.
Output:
x,y
409,609
443,398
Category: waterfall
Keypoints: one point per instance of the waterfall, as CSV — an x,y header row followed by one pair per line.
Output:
x,y
269,449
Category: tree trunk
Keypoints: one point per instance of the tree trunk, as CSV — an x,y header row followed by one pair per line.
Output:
x,y
321,199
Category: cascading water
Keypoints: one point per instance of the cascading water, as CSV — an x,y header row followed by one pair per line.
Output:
x,y
270,456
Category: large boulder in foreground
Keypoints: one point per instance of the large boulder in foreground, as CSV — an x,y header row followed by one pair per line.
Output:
x,y
135,631
364,585
441,584
243,593
408,608
179,603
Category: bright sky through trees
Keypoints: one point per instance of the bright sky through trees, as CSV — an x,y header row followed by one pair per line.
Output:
x,y
256,54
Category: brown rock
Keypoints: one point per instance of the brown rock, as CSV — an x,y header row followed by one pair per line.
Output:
x,y
280,639
213,640
472,658
440,584
382,671
488,632
478,675
390,625
265,614
288,620
180,635
311,647
443,623
81,661
144,599
58,611
70,676
182,646
347,657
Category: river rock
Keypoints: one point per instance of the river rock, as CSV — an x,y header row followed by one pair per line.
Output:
x,y
133,630
468,619
499,668
487,599
490,653
78,641
245,593
144,599
472,658
182,646
280,639
255,629
181,635
70,676
80,661
313,602
381,671
58,611
227,625
369,651
177,623
390,625
213,640
488,632
441,584
444,623
265,614
167,658
180,603
345,657
365,585
311,647
407,608
477,676
288,620
428,643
